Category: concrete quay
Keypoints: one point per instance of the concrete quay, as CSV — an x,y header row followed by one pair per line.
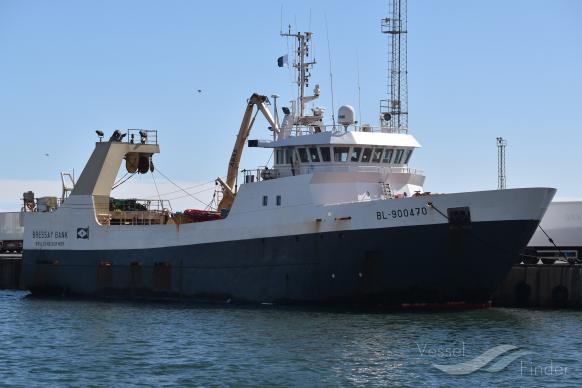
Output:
x,y
10,265
541,286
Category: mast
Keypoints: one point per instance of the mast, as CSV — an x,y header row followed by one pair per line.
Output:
x,y
501,177
394,110
302,66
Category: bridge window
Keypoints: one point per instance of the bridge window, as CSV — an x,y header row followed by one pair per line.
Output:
x,y
356,151
377,155
340,154
280,156
278,200
398,156
366,155
289,156
407,157
265,200
303,155
325,154
388,155
313,154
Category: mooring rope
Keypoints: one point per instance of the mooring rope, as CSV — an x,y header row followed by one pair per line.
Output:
x,y
432,206
554,244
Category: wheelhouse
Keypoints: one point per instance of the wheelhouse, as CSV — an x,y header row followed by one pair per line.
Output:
x,y
359,154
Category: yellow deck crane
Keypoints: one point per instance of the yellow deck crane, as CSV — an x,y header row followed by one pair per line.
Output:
x,y
228,187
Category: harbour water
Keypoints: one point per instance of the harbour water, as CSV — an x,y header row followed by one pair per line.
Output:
x,y
82,343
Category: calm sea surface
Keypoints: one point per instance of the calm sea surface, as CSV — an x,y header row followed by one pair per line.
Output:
x,y
82,343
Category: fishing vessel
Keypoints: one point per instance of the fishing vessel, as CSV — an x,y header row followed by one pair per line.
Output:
x,y
340,216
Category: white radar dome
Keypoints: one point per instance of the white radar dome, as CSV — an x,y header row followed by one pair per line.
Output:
x,y
346,115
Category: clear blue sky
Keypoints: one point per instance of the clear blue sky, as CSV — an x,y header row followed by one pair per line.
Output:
x,y
477,70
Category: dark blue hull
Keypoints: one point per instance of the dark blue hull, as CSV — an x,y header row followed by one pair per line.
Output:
x,y
419,264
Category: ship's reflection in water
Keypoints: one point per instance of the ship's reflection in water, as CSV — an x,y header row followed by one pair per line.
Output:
x,y
80,343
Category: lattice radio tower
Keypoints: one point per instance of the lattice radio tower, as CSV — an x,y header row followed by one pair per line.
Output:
x,y
394,111
501,178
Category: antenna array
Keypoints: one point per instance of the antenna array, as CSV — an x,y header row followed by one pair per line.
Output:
x,y
501,178
394,111
302,65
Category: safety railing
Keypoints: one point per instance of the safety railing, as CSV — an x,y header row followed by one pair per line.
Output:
x,y
302,130
142,136
265,173
135,212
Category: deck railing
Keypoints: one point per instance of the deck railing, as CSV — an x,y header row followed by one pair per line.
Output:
x,y
265,173
135,212
142,136
300,130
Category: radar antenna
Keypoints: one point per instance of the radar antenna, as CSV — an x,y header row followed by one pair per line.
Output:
x,y
394,111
